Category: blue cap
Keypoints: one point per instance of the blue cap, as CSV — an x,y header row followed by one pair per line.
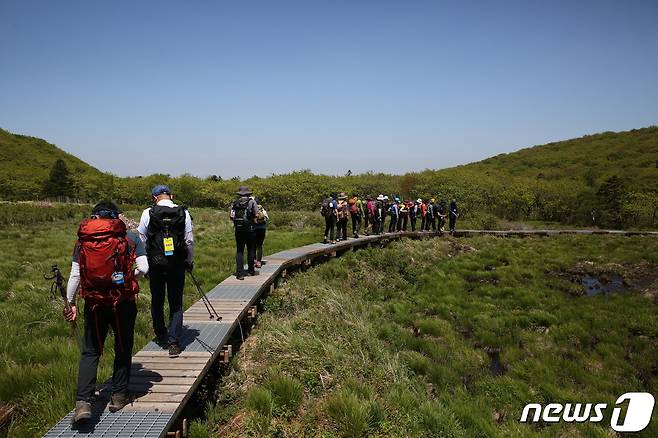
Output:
x,y
160,189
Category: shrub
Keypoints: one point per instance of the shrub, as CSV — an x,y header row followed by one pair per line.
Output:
x,y
287,394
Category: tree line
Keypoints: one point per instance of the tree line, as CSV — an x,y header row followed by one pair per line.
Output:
x,y
615,201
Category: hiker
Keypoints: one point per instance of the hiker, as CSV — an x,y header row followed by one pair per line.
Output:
x,y
423,212
454,214
356,212
260,229
434,208
394,212
343,214
377,219
428,214
328,211
385,207
166,229
414,212
243,214
404,216
103,267
441,215
368,216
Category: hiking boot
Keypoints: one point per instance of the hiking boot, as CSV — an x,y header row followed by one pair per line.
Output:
x,y
333,242
325,241
161,340
174,350
118,401
82,411
253,273
239,276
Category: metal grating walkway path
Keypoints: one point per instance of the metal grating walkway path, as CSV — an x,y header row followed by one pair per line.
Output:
x,y
162,386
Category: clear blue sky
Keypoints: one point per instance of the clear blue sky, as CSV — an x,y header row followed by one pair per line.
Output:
x,y
255,87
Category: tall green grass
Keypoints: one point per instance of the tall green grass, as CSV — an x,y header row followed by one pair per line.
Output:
x,y
38,353
397,342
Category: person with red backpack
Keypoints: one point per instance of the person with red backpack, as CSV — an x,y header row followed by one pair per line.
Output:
x,y
369,214
356,212
103,268
166,230
343,214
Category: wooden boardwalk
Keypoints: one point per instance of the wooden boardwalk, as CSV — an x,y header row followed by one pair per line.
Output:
x,y
163,386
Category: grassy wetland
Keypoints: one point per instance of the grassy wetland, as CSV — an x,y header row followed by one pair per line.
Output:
x,y
447,337
442,337
38,354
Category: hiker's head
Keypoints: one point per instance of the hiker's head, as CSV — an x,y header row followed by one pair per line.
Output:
x,y
161,192
244,191
106,210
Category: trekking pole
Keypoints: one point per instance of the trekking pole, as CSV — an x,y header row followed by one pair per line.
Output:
x,y
58,284
204,298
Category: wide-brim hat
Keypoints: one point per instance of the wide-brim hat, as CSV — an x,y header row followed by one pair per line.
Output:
x,y
386,198
342,196
380,197
243,191
419,201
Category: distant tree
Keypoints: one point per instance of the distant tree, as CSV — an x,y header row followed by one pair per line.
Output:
x,y
60,183
214,178
611,196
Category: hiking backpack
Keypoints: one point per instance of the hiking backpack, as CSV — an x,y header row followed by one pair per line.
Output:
x,y
343,210
242,218
165,236
354,208
106,258
372,209
261,216
325,210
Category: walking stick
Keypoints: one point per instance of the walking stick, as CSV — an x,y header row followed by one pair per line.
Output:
x,y
204,298
58,285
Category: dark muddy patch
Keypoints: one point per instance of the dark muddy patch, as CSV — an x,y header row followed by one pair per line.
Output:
x,y
496,367
591,279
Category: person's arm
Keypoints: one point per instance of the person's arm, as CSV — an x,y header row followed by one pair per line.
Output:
x,y
143,226
73,283
189,239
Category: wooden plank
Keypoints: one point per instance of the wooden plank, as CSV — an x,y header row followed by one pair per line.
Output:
x,y
173,389
168,366
161,374
139,380
165,359
185,354
161,397
139,406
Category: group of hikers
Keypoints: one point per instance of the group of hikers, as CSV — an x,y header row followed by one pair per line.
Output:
x,y
337,211
108,259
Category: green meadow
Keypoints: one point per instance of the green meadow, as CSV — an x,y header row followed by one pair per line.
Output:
x,y
447,338
441,337
38,354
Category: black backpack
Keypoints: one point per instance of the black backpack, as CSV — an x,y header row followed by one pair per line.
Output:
x,y
242,219
325,210
165,222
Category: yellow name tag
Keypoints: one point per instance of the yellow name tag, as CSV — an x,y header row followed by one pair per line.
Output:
x,y
169,246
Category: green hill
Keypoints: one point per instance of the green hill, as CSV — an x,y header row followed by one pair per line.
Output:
x,y
25,164
631,154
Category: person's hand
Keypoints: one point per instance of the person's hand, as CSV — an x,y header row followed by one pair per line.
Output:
x,y
72,314
189,266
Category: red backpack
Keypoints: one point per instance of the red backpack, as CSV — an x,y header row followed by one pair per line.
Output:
x,y
104,250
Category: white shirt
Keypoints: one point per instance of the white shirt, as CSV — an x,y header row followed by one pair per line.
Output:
x,y
189,236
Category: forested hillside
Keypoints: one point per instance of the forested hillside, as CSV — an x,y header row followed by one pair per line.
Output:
x,y
608,179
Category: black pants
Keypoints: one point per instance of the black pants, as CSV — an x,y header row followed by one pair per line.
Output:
x,y
433,223
97,323
393,224
245,238
453,222
342,228
329,227
413,223
356,224
442,223
422,224
169,281
402,223
366,223
260,238
428,222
